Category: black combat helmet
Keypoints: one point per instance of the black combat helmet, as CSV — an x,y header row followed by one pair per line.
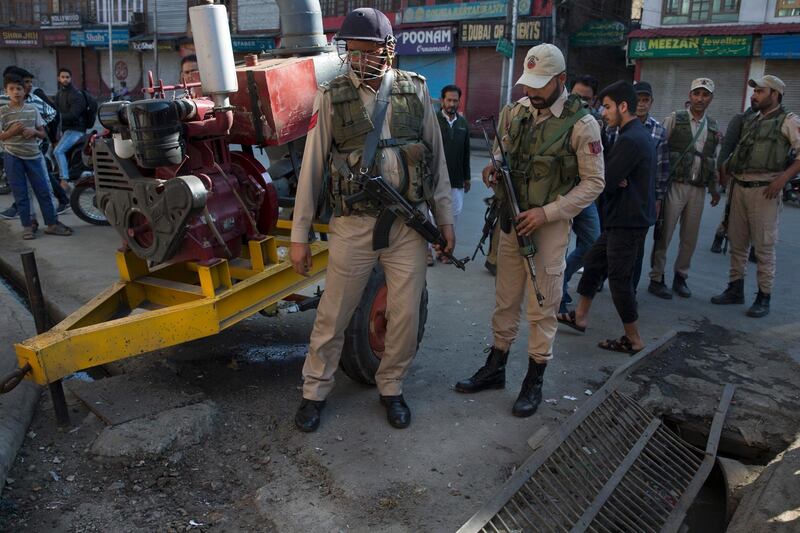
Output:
x,y
366,24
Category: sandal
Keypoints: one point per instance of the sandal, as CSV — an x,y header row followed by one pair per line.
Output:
x,y
58,229
623,345
568,319
27,233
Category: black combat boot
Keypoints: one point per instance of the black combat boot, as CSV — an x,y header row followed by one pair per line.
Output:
x,y
679,286
660,289
760,307
307,416
734,294
716,246
530,396
492,375
397,412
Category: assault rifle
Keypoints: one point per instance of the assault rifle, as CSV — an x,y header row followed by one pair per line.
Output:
x,y
489,221
526,246
394,205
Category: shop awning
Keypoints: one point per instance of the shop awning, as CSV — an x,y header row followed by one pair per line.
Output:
x,y
725,29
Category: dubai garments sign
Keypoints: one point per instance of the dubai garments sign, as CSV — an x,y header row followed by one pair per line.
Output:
x,y
423,41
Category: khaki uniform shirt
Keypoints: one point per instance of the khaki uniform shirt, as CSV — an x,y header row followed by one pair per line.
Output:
x,y
694,123
791,130
318,146
585,140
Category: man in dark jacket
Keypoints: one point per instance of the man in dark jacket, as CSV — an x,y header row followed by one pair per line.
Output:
x,y
71,103
628,212
455,139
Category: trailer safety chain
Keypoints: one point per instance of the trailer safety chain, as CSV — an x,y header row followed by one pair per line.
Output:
x,y
11,380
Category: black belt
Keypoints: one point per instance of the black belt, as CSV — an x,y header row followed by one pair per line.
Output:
x,y
752,184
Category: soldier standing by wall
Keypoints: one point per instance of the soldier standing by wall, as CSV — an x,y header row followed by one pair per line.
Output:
x,y
409,136
759,170
693,141
551,140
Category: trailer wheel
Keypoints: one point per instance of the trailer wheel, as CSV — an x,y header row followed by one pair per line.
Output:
x,y
364,338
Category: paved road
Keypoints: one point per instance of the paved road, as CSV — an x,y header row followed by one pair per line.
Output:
x,y
356,471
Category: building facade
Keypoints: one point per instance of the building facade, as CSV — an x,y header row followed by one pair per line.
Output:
x,y
729,41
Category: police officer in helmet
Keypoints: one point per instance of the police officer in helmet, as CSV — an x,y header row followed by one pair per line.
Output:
x,y
411,158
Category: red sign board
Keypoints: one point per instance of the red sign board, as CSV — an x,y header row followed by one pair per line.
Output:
x,y
56,38
20,38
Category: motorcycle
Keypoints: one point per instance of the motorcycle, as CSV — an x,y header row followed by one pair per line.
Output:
x,y
83,199
791,191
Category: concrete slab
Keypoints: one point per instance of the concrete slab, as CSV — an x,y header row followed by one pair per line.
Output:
x,y
122,398
16,407
171,430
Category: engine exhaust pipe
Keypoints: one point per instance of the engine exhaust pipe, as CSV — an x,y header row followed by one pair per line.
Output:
x,y
214,49
301,25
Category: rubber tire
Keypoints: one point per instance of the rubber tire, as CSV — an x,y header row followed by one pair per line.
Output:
x,y
74,202
358,360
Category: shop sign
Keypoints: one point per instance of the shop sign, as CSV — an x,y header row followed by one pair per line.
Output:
x,y
486,9
56,38
780,46
99,38
60,20
505,47
704,46
143,46
422,41
77,38
20,38
529,32
599,33
252,44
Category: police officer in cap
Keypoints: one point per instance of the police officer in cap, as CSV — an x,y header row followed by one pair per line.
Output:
x,y
760,166
410,156
556,159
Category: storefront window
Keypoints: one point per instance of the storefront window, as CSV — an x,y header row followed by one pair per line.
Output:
x,y
787,8
700,11
119,10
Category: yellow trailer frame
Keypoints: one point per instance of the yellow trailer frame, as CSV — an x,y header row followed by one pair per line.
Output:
x,y
168,305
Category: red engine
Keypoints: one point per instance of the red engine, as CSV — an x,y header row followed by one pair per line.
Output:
x,y
171,187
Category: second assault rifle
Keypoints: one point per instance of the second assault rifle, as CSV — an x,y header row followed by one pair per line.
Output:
x,y
526,246
489,221
392,205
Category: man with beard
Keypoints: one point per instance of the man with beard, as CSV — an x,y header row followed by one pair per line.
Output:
x,y
455,139
71,104
556,160
339,133
759,169
628,212
693,140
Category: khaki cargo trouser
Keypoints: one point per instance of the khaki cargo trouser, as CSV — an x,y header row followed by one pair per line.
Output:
x,y
684,203
513,282
350,262
753,219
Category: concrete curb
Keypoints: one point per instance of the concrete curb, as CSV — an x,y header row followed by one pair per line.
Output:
x,y
16,407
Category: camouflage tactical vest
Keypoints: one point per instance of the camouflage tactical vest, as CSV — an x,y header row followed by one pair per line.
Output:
x,y
540,179
352,124
679,141
762,147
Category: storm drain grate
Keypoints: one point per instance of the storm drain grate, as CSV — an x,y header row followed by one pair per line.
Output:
x,y
611,467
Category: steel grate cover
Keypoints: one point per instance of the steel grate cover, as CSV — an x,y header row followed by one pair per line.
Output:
x,y
611,467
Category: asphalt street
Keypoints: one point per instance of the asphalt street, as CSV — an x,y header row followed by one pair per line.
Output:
x,y
357,471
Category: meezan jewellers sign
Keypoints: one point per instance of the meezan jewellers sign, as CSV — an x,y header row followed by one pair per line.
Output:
x,y
701,46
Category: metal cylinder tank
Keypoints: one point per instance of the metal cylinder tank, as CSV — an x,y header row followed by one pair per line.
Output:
x,y
212,42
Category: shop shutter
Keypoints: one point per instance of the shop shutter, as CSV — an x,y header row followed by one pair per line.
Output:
x,y
439,70
483,85
671,79
258,15
789,71
173,16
